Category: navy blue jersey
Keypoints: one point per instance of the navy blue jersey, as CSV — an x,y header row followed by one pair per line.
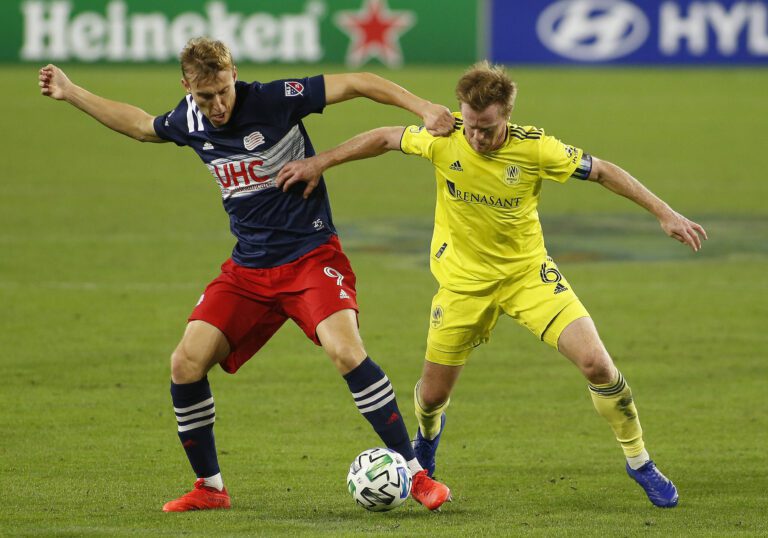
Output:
x,y
263,134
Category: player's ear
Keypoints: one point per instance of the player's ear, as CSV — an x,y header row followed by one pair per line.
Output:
x,y
234,73
186,85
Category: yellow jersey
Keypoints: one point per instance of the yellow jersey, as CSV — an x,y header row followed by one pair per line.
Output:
x,y
486,219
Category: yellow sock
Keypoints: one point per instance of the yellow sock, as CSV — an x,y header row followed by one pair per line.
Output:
x,y
429,419
614,403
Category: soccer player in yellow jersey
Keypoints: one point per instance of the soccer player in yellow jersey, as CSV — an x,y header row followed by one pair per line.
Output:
x,y
488,253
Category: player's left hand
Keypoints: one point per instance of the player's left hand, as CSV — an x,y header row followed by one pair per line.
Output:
x,y
684,230
304,170
438,120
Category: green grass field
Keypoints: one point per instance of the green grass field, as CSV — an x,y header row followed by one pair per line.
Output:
x,y
107,244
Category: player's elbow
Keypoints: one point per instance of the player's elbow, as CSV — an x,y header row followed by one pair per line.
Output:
x,y
360,84
387,138
600,172
144,131
145,137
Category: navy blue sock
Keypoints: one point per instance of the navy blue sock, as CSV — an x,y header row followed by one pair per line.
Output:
x,y
375,399
195,414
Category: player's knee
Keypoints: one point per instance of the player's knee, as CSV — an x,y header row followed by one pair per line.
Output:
x,y
597,366
432,396
184,368
346,356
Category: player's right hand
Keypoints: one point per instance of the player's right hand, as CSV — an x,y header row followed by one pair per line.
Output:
x,y
438,120
53,82
684,230
304,170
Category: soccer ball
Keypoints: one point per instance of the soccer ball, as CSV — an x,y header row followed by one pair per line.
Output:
x,y
379,479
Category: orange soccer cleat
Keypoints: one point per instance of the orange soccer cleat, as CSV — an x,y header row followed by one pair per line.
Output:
x,y
200,498
429,492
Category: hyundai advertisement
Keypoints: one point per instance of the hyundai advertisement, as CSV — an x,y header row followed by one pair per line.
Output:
x,y
629,32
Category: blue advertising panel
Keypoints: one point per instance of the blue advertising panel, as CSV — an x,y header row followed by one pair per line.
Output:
x,y
629,31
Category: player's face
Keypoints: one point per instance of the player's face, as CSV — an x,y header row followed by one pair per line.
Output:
x,y
485,130
215,97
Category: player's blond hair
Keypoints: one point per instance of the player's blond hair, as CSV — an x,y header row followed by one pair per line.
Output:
x,y
202,58
483,85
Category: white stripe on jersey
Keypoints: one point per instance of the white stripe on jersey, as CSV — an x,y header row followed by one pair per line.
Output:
x,y
190,115
261,167
199,119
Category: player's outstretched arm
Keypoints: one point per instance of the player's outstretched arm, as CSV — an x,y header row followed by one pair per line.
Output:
x,y
437,118
673,223
121,117
362,146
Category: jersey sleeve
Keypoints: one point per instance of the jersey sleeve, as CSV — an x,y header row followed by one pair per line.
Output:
x,y
168,126
416,140
292,99
559,161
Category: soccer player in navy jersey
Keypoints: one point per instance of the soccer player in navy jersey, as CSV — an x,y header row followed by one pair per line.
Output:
x,y
287,262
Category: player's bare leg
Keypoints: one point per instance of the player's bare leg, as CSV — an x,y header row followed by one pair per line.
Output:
x,y
431,399
202,347
341,340
613,400
375,399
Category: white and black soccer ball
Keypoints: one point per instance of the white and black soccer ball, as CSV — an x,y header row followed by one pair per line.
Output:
x,y
379,479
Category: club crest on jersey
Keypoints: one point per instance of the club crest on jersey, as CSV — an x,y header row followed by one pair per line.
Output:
x,y
512,175
437,316
293,88
253,140
572,153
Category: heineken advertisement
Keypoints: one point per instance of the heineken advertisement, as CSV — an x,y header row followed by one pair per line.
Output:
x,y
355,32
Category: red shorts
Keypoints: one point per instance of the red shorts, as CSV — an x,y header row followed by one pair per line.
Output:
x,y
250,305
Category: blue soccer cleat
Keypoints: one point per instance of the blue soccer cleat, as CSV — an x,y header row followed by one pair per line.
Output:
x,y
660,489
425,449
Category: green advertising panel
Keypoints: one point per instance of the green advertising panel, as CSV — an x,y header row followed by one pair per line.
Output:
x,y
355,32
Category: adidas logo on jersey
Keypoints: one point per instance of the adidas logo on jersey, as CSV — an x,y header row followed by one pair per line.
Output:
x,y
456,166
207,146
560,288
343,295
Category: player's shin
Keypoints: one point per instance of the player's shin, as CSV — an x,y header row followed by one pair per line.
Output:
x,y
428,416
613,401
195,415
375,399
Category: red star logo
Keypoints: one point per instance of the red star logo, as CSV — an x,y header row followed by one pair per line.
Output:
x,y
374,31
